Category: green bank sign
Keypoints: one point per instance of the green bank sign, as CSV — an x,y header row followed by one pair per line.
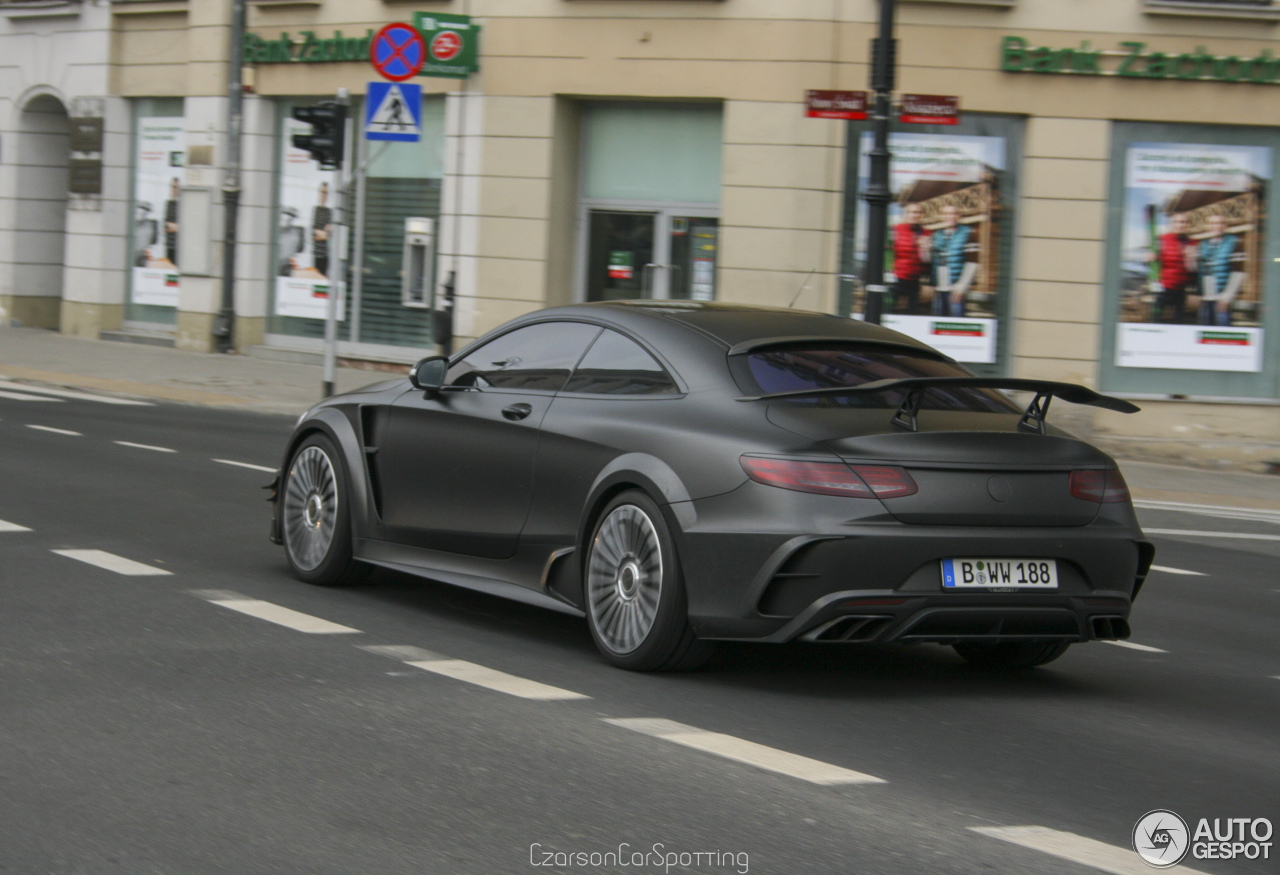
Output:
x,y
306,48
1133,60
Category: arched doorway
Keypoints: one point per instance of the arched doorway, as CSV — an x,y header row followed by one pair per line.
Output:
x,y
44,133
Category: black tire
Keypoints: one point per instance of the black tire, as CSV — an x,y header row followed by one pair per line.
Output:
x,y
1011,655
315,516
634,590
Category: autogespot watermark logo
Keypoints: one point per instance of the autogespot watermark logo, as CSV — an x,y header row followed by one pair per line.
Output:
x,y
1160,838
658,856
1163,839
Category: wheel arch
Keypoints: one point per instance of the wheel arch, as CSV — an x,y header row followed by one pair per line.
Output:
x,y
331,423
638,471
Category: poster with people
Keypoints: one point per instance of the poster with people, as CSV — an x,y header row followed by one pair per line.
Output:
x,y
160,157
305,258
1191,252
942,250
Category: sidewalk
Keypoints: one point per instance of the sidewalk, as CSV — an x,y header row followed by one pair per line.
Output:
x,y
166,374
283,387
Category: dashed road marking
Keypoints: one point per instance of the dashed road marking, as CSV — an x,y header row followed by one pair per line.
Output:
x,y
71,393
471,673
743,751
246,465
1076,848
12,527
112,562
50,428
147,447
1197,534
1213,510
15,396
274,613
1143,647
1167,570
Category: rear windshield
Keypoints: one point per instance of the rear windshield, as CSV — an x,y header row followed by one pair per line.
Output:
x,y
796,368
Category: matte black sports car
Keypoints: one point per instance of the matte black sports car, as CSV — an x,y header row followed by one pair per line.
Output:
x,y
682,473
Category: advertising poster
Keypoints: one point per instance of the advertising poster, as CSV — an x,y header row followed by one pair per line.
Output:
x,y
1191,251
303,255
941,258
161,152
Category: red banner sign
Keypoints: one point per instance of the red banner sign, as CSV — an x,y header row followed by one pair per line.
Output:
x,y
836,104
930,109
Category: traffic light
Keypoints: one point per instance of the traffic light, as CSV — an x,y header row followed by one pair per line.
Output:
x,y
327,140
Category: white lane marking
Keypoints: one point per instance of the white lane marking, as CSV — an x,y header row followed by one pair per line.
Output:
x,y
54,430
1193,533
166,449
12,527
69,393
743,751
245,465
1213,510
1167,570
112,562
273,613
1076,848
18,397
1132,646
471,673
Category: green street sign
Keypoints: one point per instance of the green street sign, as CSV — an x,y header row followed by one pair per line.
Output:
x,y
453,44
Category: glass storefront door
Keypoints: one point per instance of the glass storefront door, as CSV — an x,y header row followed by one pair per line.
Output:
x,y
654,253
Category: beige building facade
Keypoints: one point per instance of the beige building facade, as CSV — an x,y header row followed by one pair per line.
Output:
x,y
661,148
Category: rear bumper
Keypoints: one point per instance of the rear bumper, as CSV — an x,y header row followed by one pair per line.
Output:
x,y
845,618
877,580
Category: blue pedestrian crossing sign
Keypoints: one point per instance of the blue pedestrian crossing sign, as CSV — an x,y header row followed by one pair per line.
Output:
x,y
393,111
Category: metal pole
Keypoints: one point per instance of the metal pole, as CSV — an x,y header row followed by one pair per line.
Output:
x,y
339,268
878,194
224,324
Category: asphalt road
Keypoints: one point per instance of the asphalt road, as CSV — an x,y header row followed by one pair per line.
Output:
x,y
181,722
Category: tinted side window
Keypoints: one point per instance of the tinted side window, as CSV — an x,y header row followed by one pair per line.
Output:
x,y
534,357
617,365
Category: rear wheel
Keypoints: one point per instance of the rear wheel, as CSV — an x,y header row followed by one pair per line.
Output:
x,y
636,605
316,516
1012,654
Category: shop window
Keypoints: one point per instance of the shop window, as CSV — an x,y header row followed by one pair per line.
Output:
x,y
155,225
402,181
1190,307
949,252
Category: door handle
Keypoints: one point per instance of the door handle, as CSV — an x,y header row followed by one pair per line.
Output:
x,y
516,412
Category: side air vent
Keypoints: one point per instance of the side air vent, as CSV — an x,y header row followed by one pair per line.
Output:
x,y
372,419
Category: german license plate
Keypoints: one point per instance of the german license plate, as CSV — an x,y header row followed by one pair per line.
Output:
x,y
999,574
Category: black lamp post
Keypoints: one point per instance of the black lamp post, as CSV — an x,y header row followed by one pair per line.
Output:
x,y
878,194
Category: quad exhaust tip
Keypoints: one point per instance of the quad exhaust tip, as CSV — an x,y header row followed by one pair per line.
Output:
x,y
1110,628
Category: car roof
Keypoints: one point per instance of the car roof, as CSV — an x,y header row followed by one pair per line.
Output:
x,y
740,327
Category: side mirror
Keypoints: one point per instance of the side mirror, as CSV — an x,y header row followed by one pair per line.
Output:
x,y
428,374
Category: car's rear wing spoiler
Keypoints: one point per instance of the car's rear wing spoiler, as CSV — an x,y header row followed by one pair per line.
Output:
x,y
1032,418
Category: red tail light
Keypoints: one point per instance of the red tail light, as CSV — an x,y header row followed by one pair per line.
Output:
x,y
830,478
887,481
1103,487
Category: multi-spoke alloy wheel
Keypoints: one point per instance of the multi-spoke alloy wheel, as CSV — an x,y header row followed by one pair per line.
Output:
x,y
310,508
316,516
624,578
636,606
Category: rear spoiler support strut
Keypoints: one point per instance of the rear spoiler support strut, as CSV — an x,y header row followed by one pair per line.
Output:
x,y
1032,420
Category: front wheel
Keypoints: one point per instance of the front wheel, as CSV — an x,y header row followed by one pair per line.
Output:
x,y
636,605
1011,655
316,516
